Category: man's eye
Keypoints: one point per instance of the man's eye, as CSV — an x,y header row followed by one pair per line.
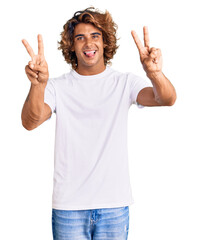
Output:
x,y
79,38
95,36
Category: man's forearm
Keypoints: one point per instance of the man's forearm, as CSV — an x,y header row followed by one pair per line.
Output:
x,y
164,91
33,107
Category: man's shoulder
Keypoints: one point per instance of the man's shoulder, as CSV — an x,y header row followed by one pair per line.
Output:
x,y
59,79
121,74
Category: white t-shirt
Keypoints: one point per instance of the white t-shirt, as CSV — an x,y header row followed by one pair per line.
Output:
x,y
91,156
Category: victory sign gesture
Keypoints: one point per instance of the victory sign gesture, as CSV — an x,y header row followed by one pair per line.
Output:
x,y
151,58
37,68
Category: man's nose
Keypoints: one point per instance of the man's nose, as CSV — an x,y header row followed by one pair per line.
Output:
x,y
88,41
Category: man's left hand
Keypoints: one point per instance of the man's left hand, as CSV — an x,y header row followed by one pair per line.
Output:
x,y
151,58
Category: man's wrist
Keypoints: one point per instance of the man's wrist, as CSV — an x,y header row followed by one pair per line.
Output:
x,y
40,86
155,75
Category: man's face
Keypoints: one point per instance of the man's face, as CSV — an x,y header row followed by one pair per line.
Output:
x,y
89,49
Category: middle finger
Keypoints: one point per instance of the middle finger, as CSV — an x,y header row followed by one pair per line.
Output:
x,y
146,37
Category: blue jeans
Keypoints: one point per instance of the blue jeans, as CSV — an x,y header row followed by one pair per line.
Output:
x,y
92,224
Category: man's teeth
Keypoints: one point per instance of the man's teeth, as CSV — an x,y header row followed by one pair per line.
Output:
x,y
90,51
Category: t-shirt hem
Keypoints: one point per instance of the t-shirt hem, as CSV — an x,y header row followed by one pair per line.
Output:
x,y
93,206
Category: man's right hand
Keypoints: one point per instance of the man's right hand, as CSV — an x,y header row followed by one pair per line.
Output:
x,y
37,68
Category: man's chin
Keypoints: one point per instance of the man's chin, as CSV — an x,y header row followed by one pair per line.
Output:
x,y
88,64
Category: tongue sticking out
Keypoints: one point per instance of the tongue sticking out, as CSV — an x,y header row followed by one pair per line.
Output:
x,y
90,54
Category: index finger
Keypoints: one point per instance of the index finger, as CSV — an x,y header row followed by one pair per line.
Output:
x,y
137,40
28,48
40,45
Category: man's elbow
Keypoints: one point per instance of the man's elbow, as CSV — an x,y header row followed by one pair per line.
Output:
x,y
170,102
28,125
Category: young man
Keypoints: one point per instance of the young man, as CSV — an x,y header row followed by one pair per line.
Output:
x,y
92,191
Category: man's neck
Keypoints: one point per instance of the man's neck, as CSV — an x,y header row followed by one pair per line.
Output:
x,y
90,71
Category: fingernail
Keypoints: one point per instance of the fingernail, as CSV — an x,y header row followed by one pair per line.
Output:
x,y
32,65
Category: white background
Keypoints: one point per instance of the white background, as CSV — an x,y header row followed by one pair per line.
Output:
x,y
162,141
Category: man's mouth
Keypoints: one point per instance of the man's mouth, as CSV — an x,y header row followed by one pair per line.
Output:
x,y
90,53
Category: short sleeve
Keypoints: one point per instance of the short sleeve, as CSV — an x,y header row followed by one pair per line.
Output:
x,y
49,95
136,84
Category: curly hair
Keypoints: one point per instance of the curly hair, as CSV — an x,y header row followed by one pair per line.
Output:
x,y
102,21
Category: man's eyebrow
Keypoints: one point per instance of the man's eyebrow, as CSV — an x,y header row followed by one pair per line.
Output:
x,y
94,33
78,35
